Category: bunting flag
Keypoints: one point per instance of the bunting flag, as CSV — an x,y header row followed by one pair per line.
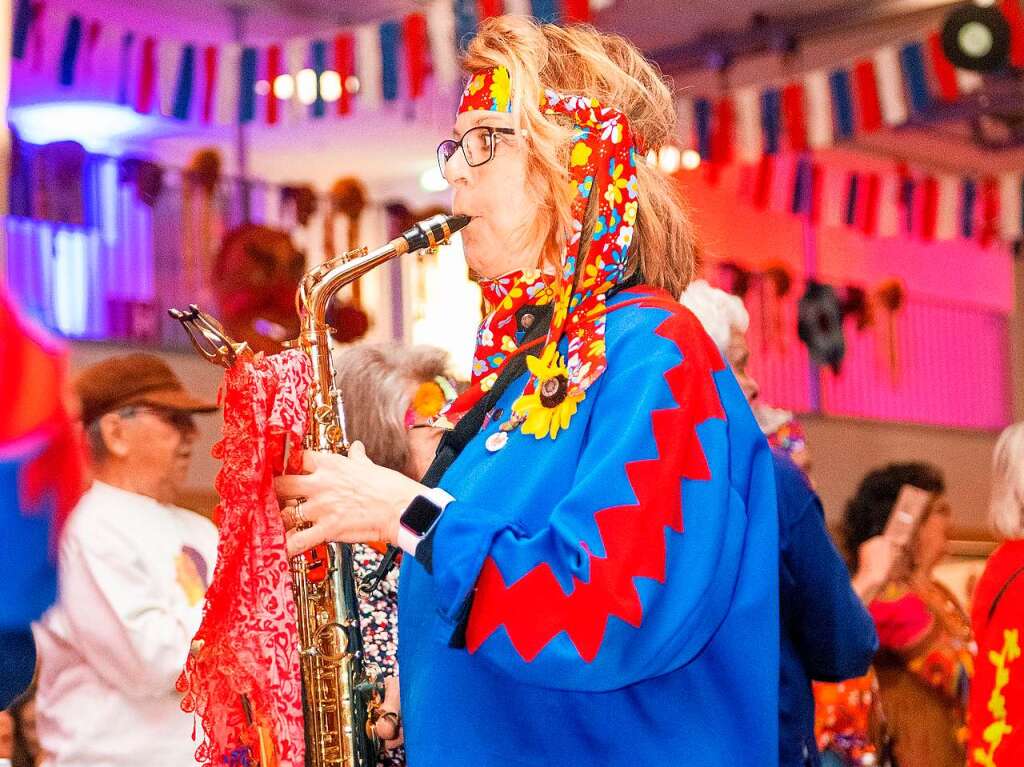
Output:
x,y
441,33
168,52
702,126
770,118
819,110
124,88
1015,18
968,197
930,208
147,77
344,65
272,71
186,76
685,124
389,37
228,60
414,41
889,82
296,54
209,83
748,124
1010,224
912,60
725,122
842,102
793,111
318,58
946,215
247,84
69,52
368,65
888,211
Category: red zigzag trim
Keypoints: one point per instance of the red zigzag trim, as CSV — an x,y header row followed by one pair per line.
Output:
x,y
535,609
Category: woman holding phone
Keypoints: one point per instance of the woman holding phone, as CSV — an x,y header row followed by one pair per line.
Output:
x,y
925,644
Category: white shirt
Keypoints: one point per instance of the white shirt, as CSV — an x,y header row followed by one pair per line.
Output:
x,y
112,648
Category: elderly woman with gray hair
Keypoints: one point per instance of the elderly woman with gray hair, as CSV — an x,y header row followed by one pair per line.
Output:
x,y
996,717
391,393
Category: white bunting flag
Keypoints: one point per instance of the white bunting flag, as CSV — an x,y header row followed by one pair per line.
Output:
x,y
684,122
1010,206
228,75
888,208
819,109
168,55
748,124
889,77
946,224
441,32
368,65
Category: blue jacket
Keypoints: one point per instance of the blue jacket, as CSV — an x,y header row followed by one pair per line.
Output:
x,y
827,634
609,597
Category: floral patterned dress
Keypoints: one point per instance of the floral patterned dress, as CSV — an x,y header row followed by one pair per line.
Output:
x,y
378,619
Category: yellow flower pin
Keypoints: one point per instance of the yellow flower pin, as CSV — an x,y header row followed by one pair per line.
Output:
x,y
551,406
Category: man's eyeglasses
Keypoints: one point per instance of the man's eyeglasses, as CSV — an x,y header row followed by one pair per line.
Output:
x,y
181,420
477,146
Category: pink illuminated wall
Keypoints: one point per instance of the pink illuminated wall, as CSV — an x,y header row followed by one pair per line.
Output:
x,y
952,341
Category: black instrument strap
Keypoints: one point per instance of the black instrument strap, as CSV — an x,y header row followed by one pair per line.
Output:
x,y
1002,591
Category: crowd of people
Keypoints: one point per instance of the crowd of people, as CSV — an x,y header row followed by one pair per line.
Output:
x,y
612,551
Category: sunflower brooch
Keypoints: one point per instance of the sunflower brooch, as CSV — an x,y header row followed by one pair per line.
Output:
x,y
550,406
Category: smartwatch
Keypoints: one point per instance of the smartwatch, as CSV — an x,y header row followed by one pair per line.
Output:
x,y
420,516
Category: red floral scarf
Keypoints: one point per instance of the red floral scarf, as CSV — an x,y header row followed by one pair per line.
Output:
x,y
602,161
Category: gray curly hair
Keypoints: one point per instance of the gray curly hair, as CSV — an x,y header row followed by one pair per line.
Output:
x,y
374,380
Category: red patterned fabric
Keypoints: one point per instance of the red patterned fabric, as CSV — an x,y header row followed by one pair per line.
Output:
x,y
496,339
250,643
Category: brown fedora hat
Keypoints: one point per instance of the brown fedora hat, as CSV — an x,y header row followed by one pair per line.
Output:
x,y
133,379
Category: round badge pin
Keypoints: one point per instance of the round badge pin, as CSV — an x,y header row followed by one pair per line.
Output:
x,y
496,441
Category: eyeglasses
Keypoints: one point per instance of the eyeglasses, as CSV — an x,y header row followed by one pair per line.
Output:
x,y
181,420
477,146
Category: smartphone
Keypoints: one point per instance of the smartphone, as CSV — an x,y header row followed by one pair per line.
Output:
x,y
911,504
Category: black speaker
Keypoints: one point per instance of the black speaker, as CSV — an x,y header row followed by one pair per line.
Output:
x,y
976,38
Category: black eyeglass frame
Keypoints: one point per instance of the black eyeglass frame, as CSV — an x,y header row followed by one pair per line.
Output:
x,y
442,161
182,420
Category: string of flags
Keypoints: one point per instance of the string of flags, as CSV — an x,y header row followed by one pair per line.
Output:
x,y
899,201
882,89
277,82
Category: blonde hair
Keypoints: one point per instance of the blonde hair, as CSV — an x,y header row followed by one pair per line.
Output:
x,y
374,380
579,60
1007,503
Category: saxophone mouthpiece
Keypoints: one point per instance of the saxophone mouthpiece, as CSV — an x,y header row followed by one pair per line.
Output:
x,y
434,231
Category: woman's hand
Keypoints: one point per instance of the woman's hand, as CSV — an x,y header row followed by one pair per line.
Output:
x,y
877,557
389,726
349,499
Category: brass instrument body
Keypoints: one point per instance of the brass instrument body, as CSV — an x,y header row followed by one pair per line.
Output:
x,y
340,693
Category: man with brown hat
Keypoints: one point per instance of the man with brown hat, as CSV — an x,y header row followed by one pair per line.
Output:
x,y
133,572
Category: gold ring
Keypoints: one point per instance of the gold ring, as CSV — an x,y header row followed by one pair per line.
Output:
x,y
300,520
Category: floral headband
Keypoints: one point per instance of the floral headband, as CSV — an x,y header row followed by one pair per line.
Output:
x,y
603,162
428,401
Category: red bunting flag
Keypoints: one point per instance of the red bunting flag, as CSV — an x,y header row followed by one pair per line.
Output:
x,y
869,214
725,123
817,192
868,109
990,211
488,8
344,63
576,11
414,36
763,182
273,70
945,73
210,82
1012,12
793,116
147,77
930,208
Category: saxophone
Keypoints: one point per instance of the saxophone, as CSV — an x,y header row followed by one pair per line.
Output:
x,y
341,694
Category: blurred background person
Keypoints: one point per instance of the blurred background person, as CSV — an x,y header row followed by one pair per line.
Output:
x,y
924,661
997,689
827,635
391,393
133,572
